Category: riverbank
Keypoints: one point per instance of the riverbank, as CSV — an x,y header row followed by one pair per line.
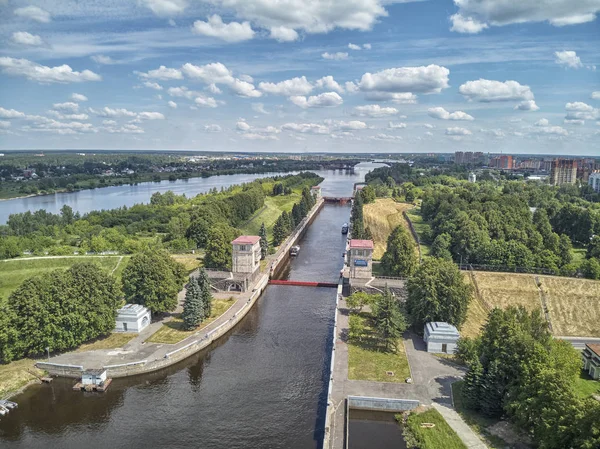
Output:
x,y
138,357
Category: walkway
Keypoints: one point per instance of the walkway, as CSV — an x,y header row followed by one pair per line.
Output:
x,y
432,379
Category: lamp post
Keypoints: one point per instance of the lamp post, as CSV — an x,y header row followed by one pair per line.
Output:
x,y
48,352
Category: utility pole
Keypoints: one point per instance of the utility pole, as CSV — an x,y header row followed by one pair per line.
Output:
x,y
48,352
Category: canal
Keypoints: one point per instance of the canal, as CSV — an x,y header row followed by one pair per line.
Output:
x,y
263,385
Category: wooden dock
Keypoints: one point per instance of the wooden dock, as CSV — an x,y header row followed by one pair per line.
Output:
x,y
92,387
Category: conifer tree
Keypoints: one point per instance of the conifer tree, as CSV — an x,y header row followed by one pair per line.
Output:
x,y
389,320
193,308
264,243
472,387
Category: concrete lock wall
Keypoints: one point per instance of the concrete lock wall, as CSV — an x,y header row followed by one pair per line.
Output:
x,y
381,404
62,370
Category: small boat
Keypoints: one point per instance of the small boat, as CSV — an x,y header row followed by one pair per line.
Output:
x,y
294,250
8,404
345,228
3,411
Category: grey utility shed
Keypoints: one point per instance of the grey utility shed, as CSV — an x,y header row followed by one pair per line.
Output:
x,y
441,337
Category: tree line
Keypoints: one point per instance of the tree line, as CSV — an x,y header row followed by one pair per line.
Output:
x,y
287,221
517,370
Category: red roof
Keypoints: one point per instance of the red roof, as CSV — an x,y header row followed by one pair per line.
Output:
x,y
361,243
594,348
246,240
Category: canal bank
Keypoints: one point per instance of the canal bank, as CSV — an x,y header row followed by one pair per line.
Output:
x,y
140,357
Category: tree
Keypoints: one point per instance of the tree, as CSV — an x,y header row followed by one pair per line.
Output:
x,y
193,308
60,310
218,250
389,320
400,258
471,392
264,243
593,249
437,292
565,249
279,231
356,301
357,328
441,246
153,279
368,194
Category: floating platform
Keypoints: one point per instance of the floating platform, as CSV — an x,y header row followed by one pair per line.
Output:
x,y
46,380
93,387
6,407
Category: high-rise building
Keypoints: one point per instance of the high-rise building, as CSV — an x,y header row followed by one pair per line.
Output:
x,y
564,171
594,180
468,158
504,162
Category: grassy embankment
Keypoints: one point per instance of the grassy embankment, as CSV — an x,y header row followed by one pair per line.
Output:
x,y
441,436
14,271
382,217
173,332
572,303
368,361
274,206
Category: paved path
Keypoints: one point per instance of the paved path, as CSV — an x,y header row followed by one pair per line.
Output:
x,y
468,437
580,342
432,379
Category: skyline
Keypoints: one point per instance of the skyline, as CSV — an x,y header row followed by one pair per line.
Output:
x,y
377,77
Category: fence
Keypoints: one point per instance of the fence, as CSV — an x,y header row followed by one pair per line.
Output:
x,y
414,233
507,269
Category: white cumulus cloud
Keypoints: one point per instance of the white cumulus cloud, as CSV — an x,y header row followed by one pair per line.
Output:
x,y
172,104
457,131
329,83
354,47
110,112
163,73
25,38
324,100
374,110
229,32
499,13
595,95
527,105
43,74
424,79
288,88
339,56
213,128
442,114
165,8
34,13
393,125
394,97
67,106
462,24
103,59
490,90
11,113
151,116
78,97
152,85
568,58
542,122
306,128
283,34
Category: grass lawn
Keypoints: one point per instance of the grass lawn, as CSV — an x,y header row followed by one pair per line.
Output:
x,y
573,305
382,217
189,261
585,386
439,437
367,361
420,227
274,206
14,271
172,332
116,340
476,421
14,375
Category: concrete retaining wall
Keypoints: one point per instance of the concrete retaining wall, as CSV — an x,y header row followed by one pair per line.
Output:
x,y
381,404
330,409
57,369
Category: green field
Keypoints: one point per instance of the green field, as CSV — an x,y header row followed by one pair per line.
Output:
x,y
440,436
367,361
274,206
13,272
585,386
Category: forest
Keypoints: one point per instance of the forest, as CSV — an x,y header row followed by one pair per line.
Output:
x,y
513,225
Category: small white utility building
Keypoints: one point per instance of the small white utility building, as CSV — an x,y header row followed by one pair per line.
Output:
x,y
441,337
93,376
132,318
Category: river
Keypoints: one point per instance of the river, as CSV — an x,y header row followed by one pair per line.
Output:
x,y
264,385
84,201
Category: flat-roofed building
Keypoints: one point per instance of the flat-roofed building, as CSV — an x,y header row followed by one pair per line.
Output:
x,y
564,171
441,337
132,318
591,360
246,254
594,180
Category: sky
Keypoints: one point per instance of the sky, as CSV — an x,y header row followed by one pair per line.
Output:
x,y
397,76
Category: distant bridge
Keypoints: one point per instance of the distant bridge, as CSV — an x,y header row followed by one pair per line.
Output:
x,y
303,283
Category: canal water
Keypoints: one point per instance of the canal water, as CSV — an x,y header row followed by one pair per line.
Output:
x,y
83,201
370,429
264,385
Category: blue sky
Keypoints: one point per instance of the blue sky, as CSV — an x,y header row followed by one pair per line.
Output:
x,y
517,76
